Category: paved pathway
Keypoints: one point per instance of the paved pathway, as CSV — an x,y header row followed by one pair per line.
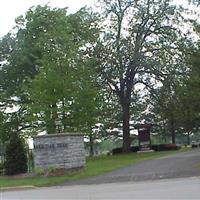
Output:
x,y
173,166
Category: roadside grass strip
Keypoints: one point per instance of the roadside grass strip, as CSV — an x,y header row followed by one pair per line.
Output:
x,y
94,166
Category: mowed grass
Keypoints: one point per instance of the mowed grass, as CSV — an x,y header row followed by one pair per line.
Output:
x,y
94,166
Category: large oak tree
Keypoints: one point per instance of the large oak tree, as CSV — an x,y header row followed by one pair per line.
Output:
x,y
139,47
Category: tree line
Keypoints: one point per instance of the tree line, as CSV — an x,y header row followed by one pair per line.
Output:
x,y
132,61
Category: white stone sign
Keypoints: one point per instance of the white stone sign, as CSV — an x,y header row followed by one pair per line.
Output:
x,y
61,151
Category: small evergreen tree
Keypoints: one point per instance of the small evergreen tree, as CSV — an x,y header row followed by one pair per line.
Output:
x,y
16,156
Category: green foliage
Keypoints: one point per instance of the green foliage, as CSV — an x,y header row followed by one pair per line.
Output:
x,y
136,52
52,61
48,73
15,156
177,101
2,168
189,96
39,171
62,95
51,169
2,128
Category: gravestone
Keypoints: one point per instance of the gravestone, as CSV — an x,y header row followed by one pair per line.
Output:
x,y
61,151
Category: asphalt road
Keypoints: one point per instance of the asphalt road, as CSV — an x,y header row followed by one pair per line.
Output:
x,y
183,188
173,166
179,174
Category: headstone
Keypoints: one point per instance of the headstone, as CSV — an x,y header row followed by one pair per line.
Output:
x,y
61,151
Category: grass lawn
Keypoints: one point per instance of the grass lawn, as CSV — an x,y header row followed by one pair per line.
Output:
x,y
95,166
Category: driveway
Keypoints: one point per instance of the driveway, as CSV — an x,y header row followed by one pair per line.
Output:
x,y
173,166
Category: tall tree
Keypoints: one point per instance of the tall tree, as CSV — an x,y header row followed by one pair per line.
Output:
x,y
48,70
137,47
189,93
165,107
64,87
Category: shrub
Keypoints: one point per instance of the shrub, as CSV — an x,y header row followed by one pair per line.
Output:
x,y
165,147
15,156
39,171
119,150
135,148
156,147
1,168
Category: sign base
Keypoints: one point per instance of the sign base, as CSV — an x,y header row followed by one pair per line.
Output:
x,y
145,151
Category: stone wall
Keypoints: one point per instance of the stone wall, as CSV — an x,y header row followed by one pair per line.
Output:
x,y
61,151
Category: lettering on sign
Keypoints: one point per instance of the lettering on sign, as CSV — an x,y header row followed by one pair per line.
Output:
x,y
50,146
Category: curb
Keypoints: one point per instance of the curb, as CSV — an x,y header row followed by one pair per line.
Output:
x,y
26,187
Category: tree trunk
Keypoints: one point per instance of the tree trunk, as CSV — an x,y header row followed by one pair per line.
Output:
x,y
64,123
188,138
49,123
173,137
91,145
50,119
173,134
126,128
164,133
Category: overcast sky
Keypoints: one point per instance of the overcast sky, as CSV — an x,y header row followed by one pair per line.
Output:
x,y
10,9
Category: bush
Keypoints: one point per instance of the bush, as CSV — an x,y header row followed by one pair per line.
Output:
x,y
39,171
165,147
156,147
15,156
119,150
135,148
1,168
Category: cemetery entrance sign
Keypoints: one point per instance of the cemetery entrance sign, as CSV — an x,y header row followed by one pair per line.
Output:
x,y
144,136
61,151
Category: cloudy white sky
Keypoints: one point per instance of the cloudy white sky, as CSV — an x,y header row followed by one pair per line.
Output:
x,y
10,9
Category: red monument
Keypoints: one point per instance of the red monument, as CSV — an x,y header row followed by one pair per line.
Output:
x,y
144,137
